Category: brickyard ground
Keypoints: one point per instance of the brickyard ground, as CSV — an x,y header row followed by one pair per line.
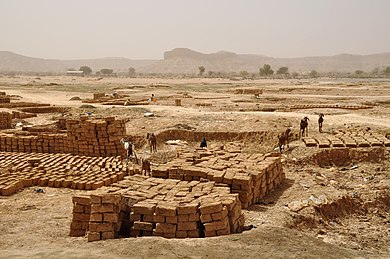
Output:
x,y
334,202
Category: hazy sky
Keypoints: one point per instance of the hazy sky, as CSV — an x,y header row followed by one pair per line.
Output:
x,y
74,29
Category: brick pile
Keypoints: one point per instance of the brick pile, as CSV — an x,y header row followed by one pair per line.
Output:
x,y
251,176
99,137
98,95
5,99
5,120
147,206
104,219
81,216
20,170
90,137
347,139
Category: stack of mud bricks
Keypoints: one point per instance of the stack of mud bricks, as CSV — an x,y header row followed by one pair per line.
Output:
x,y
104,220
96,137
43,143
20,170
5,120
81,216
165,219
4,98
164,207
252,177
97,96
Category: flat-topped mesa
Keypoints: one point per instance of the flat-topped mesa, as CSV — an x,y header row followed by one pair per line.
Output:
x,y
143,206
86,136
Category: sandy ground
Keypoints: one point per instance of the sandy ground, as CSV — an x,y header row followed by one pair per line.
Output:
x,y
37,225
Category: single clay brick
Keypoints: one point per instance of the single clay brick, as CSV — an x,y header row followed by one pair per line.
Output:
x,y
93,236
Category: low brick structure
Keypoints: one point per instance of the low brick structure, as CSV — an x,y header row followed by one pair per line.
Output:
x,y
6,120
250,176
90,137
347,139
143,206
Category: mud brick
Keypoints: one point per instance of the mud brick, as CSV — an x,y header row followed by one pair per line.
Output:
x,y
193,217
82,200
220,215
218,176
165,228
78,208
97,185
210,233
187,209
147,233
157,234
111,198
182,218
209,208
8,190
110,217
100,227
77,232
135,216
81,217
87,209
93,236
159,218
76,224
135,232
146,208
85,225
204,218
171,219
228,177
148,218
216,225
96,198
101,208
67,183
194,233
145,226
170,235
166,210
187,225
223,232
107,235
181,234
43,181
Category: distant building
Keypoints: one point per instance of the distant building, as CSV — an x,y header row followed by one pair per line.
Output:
x,y
74,73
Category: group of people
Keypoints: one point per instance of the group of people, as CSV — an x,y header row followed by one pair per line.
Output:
x,y
285,136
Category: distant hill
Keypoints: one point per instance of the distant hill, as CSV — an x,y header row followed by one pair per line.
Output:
x,y
182,60
10,61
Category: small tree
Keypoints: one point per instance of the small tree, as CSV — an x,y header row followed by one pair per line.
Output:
x,y
86,70
359,72
294,74
244,74
201,70
386,71
313,74
266,70
106,71
282,71
131,72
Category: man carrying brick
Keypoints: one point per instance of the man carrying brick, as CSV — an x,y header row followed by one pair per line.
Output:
x,y
130,150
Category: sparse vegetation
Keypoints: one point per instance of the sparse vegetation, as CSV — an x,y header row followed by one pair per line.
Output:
x,y
86,70
201,70
266,70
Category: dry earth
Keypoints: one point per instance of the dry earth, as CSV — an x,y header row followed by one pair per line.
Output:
x,y
37,225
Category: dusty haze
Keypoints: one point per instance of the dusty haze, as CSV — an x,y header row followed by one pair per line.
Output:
x,y
145,29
